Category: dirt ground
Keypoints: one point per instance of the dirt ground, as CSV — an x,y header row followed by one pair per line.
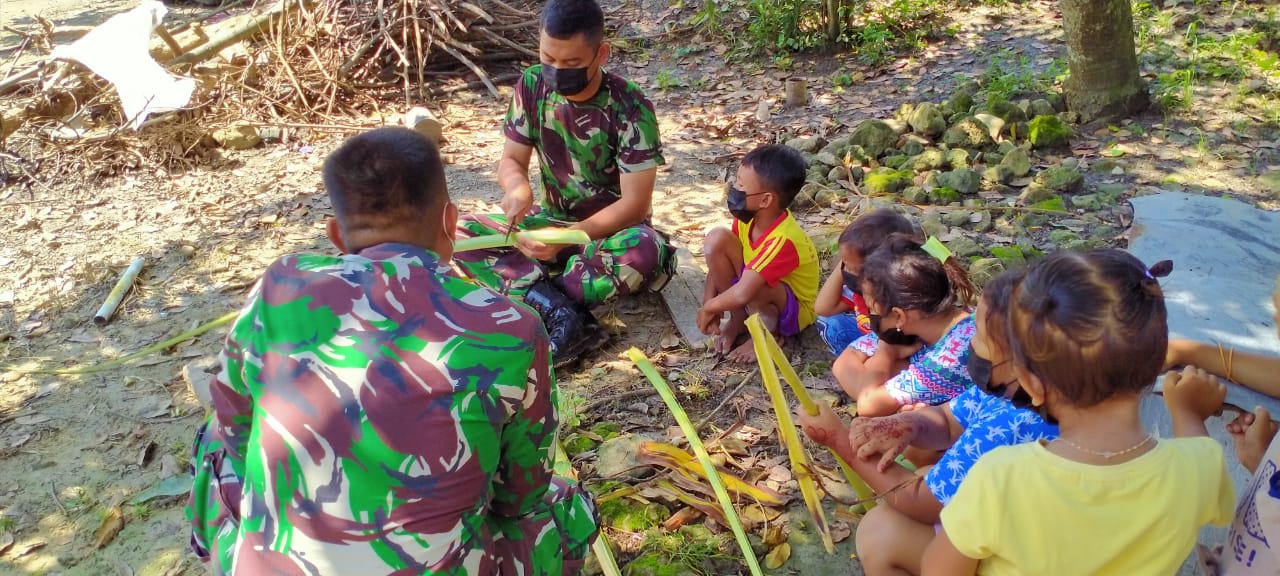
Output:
x,y
77,447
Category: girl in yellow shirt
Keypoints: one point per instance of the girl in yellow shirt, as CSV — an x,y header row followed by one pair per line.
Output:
x,y
1089,336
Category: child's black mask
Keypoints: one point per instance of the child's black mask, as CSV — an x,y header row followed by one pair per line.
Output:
x,y
737,204
893,336
851,280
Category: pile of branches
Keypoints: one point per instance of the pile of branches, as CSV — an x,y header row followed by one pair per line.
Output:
x,y
325,58
298,64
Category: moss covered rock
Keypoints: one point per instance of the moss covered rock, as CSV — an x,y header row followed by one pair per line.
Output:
x,y
896,161
838,173
943,196
1007,111
828,159
968,133
927,120
885,180
1017,162
1048,132
809,144
929,159
631,516
575,444
983,270
958,158
964,180
875,137
998,174
913,147
915,195
1060,179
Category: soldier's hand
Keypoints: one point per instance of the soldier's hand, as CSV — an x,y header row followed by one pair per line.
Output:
x,y
516,204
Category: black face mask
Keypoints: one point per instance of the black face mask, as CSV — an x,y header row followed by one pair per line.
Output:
x,y
893,336
566,81
851,280
980,370
737,204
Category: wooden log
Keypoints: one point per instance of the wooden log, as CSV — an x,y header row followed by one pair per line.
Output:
x,y
247,30
683,297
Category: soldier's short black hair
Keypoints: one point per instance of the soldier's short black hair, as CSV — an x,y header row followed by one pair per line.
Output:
x,y
564,19
782,168
384,176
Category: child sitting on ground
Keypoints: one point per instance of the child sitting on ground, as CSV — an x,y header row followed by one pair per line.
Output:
x,y
1248,550
1089,333
891,539
842,312
765,262
921,328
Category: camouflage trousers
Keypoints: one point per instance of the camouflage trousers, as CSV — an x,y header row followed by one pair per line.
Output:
x,y
632,260
553,540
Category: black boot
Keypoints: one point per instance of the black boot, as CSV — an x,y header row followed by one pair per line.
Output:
x,y
573,330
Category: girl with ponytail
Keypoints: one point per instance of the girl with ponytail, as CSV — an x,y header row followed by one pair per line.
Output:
x,y
919,297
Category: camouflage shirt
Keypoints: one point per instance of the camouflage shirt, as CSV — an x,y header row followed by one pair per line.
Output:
x,y
381,412
583,147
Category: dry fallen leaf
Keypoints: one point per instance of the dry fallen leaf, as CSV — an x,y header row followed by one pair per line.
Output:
x,y
778,556
27,548
840,531
112,524
775,535
6,540
670,341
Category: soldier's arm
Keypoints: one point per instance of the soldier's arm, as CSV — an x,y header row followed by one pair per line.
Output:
x,y
232,400
631,209
513,177
528,437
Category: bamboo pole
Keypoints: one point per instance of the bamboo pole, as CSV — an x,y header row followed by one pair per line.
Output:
x,y
116,296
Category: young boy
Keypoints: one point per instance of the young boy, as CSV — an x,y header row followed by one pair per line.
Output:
x,y
765,262
842,313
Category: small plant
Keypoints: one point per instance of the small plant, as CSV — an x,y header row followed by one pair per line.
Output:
x,y
1009,75
571,403
7,524
667,79
141,511
784,62
1174,90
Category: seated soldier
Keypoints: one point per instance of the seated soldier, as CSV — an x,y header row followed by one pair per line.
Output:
x,y
597,142
376,413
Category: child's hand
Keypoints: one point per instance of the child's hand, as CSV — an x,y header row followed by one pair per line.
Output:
x,y
1252,434
825,428
886,437
708,322
1193,392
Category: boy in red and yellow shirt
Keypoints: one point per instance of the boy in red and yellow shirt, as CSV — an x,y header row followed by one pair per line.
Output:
x,y
765,262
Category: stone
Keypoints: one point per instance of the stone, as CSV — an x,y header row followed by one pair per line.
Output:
x,y
1041,107
932,225
1071,162
1017,162
618,455
904,111
943,196
983,270
964,180
1006,147
1060,179
998,174
1091,202
828,158
856,174
238,136
955,218
1111,192
1009,256
915,195
838,173
810,144
1055,99
929,159
927,120
994,124
1105,165
913,147
897,161
957,158
899,127
630,516
198,374
1065,239
885,180
968,133
961,101
992,158
804,198
825,198
1049,132
1007,111
816,173
1035,194
983,222
1270,182
875,137
964,247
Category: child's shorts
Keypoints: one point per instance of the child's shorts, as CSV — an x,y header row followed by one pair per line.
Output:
x,y
789,319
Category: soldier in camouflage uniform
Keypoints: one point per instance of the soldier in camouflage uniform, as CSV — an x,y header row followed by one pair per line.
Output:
x,y
598,150
376,413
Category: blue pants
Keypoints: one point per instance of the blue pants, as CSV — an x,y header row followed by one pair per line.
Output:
x,y
839,331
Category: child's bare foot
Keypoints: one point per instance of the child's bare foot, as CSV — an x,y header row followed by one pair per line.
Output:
x,y
728,337
744,353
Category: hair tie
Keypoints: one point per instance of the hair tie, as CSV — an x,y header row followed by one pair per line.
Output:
x,y
937,249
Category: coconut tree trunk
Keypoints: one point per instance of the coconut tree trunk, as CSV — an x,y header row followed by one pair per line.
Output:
x,y
1104,79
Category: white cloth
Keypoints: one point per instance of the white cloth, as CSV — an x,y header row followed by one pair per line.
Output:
x,y
1248,550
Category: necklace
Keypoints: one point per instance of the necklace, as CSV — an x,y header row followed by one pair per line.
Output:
x,y
1107,454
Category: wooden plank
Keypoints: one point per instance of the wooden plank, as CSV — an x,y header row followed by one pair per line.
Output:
x,y
683,296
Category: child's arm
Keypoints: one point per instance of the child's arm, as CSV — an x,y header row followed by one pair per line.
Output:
x,y
932,428
735,298
1261,373
1191,397
942,559
902,489
829,302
